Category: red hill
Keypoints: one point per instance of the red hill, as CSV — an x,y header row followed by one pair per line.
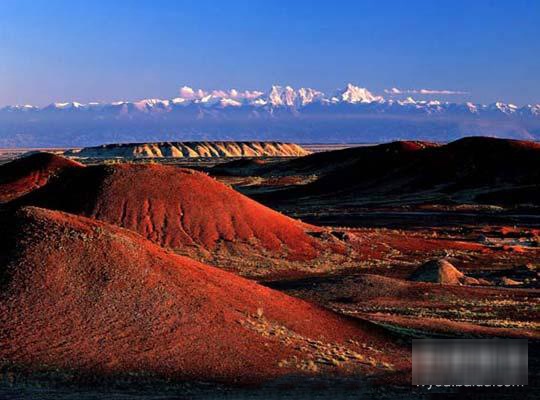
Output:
x,y
25,174
325,162
466,170
175,208
337,159
85,296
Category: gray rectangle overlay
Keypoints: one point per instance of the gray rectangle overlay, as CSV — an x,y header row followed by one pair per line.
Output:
x,y
478,362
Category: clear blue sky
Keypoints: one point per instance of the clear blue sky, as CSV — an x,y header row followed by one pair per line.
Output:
x,y
114,50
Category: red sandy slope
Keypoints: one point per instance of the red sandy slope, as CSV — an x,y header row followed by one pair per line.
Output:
x,y
23,175
87,296
174,207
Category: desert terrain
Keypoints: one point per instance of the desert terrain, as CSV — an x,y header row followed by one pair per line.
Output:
x,y
279,271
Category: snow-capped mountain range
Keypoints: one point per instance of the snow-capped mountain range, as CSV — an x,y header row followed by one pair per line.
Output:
x,y
283,96
305,114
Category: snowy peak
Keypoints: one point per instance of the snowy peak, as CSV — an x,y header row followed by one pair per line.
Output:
x,y
473,108
533,110
23,107
503,107
287,96
66,106
308,95
149,104
280,96
409,101
277,96
354,94
225,98
225,102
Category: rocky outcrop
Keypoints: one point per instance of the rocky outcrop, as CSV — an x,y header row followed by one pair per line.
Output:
x,y
190,150
439,271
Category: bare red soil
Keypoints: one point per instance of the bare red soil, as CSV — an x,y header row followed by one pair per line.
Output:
x,y
427,307
453,328
380,244
175,207
85,296
25,174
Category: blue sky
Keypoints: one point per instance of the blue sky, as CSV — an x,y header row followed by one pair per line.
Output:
x,y
115,50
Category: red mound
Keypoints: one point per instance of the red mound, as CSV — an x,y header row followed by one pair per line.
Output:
x,y
404,172
340,160
82,295
479,161
26,174
175,207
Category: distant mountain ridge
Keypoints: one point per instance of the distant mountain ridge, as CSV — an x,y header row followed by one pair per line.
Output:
x,y
351,114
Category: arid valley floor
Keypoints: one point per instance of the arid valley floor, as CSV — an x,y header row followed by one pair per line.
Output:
x,y
263,276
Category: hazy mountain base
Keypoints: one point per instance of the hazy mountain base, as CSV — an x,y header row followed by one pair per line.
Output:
x,y
84,130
